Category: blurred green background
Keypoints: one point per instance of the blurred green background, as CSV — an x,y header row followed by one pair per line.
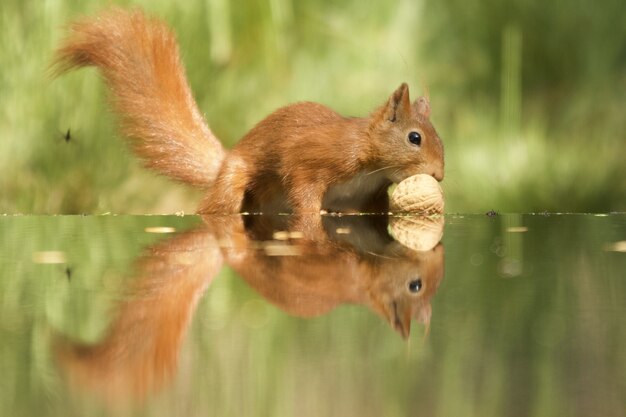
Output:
x,y
528,95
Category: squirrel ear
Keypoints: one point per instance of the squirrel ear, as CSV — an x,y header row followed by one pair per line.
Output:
x,y
422,105
399,104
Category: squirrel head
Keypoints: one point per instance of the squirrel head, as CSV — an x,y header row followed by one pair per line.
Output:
x,y
403,287
404,141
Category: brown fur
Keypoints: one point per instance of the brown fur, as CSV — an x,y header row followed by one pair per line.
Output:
x,y
297,154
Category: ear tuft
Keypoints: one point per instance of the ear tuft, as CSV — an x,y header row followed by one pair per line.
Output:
x,y
399,104
422,105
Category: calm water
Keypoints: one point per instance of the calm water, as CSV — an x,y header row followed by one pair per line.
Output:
x,y
516,315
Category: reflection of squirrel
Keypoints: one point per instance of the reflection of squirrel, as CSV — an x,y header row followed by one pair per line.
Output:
x,y
139,352
302,150
365,266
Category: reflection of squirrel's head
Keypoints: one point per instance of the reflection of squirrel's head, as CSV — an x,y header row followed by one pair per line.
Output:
x,y
314,276
402,287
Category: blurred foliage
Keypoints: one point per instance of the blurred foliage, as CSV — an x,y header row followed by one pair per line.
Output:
x,y
527,95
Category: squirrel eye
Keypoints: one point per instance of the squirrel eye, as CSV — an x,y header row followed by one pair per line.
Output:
x,y
415,138
415,286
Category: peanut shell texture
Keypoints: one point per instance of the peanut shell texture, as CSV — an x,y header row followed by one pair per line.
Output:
x,y
420,233
420,198
417,194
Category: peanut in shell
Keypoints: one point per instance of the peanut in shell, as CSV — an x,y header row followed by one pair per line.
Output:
x,y
418,193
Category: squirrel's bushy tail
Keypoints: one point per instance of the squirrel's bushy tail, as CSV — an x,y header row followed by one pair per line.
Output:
x,y
139,60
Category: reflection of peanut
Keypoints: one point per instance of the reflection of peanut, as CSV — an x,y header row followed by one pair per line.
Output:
x,y
420,233
419,193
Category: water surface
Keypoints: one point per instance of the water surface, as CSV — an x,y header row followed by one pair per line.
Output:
x,y
164,315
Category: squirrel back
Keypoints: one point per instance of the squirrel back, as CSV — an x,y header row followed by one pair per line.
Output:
x,y
139,60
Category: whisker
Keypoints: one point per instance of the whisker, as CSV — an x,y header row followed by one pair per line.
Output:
x,y
378,255
383,168
397,170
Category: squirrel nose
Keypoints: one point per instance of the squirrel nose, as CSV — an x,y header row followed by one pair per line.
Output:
x,y
438,174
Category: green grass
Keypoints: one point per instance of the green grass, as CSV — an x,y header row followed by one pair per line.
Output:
x,y
527,95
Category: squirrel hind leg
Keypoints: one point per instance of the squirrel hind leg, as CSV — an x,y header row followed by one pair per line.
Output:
x,y
306,197
227,193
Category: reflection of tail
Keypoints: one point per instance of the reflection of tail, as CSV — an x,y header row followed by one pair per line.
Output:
x,y
138,58
139,353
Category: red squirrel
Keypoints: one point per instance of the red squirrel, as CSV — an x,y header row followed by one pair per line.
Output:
x,y
305,153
